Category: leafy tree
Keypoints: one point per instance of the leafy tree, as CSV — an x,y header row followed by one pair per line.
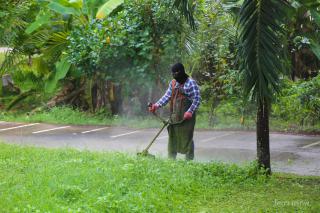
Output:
x,y
211,59
154,42
146,37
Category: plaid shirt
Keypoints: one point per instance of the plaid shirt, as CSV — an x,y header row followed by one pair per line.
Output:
x,y
191,91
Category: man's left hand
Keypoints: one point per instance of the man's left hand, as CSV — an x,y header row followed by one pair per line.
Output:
x,y
187,116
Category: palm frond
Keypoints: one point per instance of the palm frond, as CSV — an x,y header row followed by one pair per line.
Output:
x,y
187,7
56,43
232,6
188,42
39,38
261,46
11,58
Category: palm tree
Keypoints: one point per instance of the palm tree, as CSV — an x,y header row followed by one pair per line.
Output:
x,y
261,52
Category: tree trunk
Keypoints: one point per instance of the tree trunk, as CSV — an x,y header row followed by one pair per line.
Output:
x,y
67,95
294,65
114,97
263,150
30,60
94,96
212,114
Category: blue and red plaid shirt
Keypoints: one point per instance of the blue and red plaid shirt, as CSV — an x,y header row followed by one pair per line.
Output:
x,y
190,90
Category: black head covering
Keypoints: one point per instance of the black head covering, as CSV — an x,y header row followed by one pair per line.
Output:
x,y
178,73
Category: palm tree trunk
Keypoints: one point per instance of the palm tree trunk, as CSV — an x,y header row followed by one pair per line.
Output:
x,y
263,150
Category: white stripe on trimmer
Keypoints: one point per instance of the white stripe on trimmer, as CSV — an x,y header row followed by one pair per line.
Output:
x,y
219,136
16,127
94,130
129,133
47,130
309,145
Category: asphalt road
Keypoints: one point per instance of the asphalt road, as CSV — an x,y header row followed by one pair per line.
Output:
x,y
299,154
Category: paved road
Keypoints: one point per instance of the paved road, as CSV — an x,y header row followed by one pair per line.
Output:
x,y
289,153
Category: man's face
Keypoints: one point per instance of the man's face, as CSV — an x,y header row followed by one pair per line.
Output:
x,y
175,74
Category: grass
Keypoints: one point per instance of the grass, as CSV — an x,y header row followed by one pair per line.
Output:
x,y
2,56
66,115
43,180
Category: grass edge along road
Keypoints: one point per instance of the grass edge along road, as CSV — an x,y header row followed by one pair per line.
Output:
x,y
67,115
66,180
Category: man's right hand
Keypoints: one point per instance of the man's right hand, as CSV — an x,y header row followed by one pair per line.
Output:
x,y
153,107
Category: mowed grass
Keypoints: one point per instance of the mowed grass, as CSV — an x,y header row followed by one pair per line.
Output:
x,y
47,180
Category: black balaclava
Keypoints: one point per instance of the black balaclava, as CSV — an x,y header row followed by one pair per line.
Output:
x,y
178,73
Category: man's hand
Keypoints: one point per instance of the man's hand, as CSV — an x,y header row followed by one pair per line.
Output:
x,y
187,116
153,107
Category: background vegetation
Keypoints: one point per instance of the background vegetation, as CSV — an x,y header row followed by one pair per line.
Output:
x,y
125,60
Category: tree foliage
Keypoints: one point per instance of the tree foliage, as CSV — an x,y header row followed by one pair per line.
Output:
x,y
14,17
299,102
139,42
304,40
260,47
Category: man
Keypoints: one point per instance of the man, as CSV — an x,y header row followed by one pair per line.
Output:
x,y
184,96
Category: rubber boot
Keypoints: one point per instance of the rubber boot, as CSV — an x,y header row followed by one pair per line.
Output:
x,y
172,155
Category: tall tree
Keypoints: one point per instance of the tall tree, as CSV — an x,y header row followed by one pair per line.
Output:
x,y
261,52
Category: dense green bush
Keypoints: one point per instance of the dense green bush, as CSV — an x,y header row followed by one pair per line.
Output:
x,y
297,107
299,102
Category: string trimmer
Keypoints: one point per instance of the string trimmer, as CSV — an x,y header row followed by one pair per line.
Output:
x,y
165,123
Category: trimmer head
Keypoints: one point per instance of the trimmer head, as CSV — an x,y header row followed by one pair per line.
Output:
x,y
145,153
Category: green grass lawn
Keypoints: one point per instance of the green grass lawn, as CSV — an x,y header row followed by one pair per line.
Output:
x,y
47,180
